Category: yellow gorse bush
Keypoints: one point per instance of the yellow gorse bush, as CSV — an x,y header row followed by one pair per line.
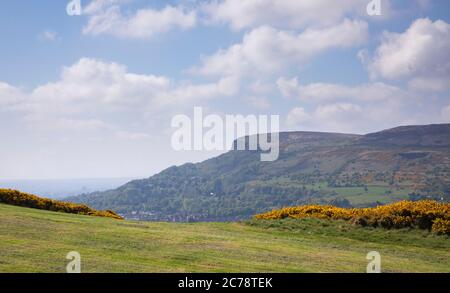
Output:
x,y
14,197
425,214
441,226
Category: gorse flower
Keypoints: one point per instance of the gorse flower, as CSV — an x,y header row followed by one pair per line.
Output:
x,y
441,226
425,214
14,197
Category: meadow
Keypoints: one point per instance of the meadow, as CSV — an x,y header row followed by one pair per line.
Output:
x,y
38,241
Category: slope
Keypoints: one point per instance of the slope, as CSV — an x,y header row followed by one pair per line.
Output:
x,y
38,241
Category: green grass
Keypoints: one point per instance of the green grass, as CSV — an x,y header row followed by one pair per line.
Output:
x,y
359,197
38,241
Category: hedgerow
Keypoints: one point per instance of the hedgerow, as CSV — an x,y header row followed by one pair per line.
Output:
x,y
425,214
14,197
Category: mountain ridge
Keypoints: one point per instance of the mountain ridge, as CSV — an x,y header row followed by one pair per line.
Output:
x,y
406,162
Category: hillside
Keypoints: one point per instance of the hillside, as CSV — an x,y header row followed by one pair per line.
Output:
x,y
38,241
411,162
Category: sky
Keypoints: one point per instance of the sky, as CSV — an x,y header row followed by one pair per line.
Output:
x,y
93,95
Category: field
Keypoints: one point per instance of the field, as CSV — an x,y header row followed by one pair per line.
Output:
x,y
358,196
38,241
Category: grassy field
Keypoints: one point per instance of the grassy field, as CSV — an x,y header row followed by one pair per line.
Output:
x,y
356,195
38,241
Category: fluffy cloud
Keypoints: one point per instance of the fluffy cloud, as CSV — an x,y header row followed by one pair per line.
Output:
x,y
91,80
96,6
330,117
92,94
297,116
98,119
106,16
224,87
354,109
267,50
352,117
9,96
418,56
319,92
144,23
281,13
88,96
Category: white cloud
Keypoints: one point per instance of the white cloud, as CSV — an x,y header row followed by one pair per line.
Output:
x,y
418,56
267,50
9,96
281,13
226,86
354,109
98,119
329,117
338,111
318,92
144,23
97,6
94,89
432,83
296,117
349,117
96,95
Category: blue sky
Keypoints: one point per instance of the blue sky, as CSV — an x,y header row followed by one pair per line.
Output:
x,y
93,95
22,22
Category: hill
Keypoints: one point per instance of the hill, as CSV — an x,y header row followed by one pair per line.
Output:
x,y
14,197
38,241
347,170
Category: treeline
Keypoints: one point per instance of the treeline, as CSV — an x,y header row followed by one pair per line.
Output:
x,y
425,214
17,198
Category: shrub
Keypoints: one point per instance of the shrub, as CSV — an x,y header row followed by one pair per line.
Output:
x,y
14,197
441,226
425,214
